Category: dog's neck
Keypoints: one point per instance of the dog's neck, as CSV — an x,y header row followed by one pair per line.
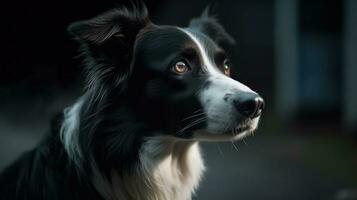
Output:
x,y
165,167
168,169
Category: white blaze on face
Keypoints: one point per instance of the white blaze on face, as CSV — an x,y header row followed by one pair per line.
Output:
x,y
219,112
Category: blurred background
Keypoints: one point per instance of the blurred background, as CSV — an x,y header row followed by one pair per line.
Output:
x,y
300,55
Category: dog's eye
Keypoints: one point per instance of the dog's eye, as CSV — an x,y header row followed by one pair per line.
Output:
x,y
180,67
226,68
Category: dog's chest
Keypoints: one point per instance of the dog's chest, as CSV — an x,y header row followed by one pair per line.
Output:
x,y
172,170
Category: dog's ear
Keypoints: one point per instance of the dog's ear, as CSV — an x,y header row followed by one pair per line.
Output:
x,y
107,41
210,26
122,23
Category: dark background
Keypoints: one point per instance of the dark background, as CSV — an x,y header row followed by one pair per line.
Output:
x,y
308,152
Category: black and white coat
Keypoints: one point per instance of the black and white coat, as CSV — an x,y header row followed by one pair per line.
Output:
x,y
152,93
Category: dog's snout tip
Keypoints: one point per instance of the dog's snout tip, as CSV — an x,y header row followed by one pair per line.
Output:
x,y
260,105
250,107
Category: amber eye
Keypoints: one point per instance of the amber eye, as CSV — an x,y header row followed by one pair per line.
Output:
x,y
226,68
180,67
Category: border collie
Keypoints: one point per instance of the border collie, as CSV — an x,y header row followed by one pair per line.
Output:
x,y
152,93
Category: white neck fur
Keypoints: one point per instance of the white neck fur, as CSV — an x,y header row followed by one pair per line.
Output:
x,y
169,170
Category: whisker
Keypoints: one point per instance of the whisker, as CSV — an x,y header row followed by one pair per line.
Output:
x,y
200,120
245,142
198,110
234,146
220,150
194,123
192,116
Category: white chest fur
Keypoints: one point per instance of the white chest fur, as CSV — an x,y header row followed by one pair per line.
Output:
x,y
169,170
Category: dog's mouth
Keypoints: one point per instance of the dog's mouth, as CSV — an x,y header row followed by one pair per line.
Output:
x,y
239,131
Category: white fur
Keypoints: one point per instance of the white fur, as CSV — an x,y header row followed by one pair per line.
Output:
x,y
70,129
172,168
169,169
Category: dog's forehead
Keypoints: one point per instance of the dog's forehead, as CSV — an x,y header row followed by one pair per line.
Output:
x,y
207,49
170,38
200,39
162,42
178,35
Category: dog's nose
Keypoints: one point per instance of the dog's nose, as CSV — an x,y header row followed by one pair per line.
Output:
x,y
250,106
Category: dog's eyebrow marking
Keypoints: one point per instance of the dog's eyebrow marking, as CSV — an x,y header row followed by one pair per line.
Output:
x,y
205,58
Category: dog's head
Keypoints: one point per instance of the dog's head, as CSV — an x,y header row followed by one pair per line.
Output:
x,y
176,80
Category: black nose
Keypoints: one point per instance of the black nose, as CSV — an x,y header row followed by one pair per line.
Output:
x,y
250,106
